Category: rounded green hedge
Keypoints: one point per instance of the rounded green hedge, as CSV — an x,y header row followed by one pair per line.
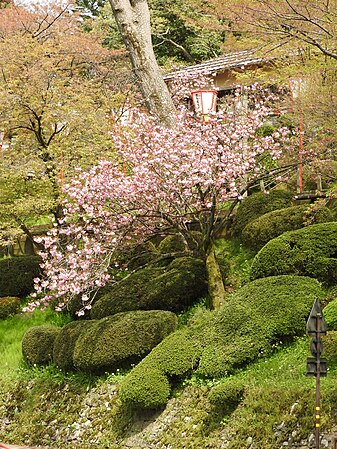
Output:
x,y
122,339
172,288
310,251
330,315
269,226
260,316
65,341
9,305
17,275
259,204
37,344
255,320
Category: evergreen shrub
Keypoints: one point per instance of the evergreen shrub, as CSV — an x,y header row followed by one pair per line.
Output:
x,y
255,320
269,226
259,204
330,315
17,275
310,251
122,339
65,341
9,305
227,394
330,348
37,344
172,288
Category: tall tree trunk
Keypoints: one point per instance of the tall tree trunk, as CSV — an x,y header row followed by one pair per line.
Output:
x,y
133,20
216,287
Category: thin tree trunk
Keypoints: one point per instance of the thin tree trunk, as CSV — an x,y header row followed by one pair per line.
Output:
x,y
133,20
216,287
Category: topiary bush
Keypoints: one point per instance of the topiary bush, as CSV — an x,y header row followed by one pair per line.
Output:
x,y
254,321
172,288
9,305
122,339
65,341
259,231
17,275
330,348
310,251
259,204
330,315
37,344
227,395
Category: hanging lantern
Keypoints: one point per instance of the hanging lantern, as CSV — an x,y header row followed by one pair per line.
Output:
x,y
204,102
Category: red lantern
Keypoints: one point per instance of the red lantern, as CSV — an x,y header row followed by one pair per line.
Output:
x,y
204,102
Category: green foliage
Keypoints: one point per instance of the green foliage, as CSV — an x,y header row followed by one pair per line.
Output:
x,y
166,288
330,348
227,394
121,339
272,224
259,204
64,345
17,274
330,315
255,320
37,344
310,251
9,305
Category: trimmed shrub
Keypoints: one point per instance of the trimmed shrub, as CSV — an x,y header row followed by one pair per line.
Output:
x,y
173,288
310,251
228,394
17,275
330,315
174,357
121,339
148,387
269,226
37,344
9,305
65,341
255,320
330,348
259,204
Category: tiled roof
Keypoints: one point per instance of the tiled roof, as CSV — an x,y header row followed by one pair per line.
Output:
x,y
229,61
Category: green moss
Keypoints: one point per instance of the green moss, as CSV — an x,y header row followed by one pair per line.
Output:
x,y
121,339
259,231
310,251
9,305
17,274
171,288
37,344
259,204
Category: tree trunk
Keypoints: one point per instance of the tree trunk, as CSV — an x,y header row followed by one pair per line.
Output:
x,y
133,20
216,287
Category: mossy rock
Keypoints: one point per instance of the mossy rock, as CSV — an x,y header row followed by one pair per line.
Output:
x,y
310,251
122,339
65,341
38,343
17,275
259,204
269,226
9,305
172,288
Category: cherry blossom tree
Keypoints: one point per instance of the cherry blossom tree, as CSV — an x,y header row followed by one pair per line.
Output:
x,y
162,180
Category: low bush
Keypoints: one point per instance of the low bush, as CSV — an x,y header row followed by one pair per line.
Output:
x,y
65,341
330,315
255,321
310,251
227,394
122,339
259,204
9,305
37,344
259,231
330,348
17,275
172,288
